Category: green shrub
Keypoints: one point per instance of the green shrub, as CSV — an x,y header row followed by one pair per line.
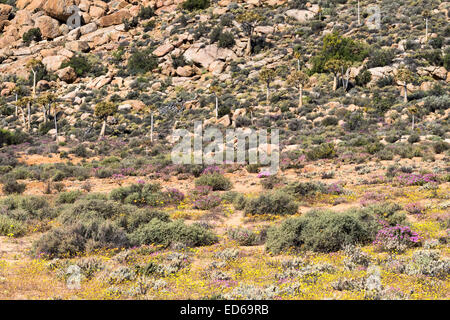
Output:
x,y
192,5
226,40
322,231
305,189
166,233
324,151
8,137
215,180
363,78
79,63
271,203
440,146
380,58
69,197
11,186
11,227
146,13
34,34
142,61
76,239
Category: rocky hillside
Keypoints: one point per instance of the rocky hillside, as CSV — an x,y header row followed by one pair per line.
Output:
x,y
166,56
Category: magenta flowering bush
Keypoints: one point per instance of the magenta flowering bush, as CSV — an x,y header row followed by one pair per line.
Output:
x,y
293,163
396,239
207,202
335,188
212,169
202,191
413,179
370,197
174,195
415,208
264,174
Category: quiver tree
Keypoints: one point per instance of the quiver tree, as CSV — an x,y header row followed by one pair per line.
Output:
x,y
426,14
333,66
22,103
266,76
34,66
298,79
151,110
404,76
249,20
413,111
297,56
345,73
216,90
102,111
45,101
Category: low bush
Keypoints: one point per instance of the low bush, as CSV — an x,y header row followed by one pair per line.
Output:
x,y
78,238
166,233
34,34
271,203
322,231
192,5
324,151
11,186
142,61
215,180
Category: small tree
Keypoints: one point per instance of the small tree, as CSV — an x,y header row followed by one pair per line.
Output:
x,y
297,56
266,76
22,103
298,79
333,66
249,20
216,90
426,14
404,76
102,111
45,101
413,111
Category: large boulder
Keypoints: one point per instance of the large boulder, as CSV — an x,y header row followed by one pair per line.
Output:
x,y
300,15
162,50
206,55
49,27
114,18
59,9
5,10
77,46
67,74
53,63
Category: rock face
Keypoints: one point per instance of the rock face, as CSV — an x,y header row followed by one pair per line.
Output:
x,y
163,50
205,56
49,27
59,9
300,15
114,18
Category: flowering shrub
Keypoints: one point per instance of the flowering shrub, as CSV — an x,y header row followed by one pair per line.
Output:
x,y
212,169
412,179
264,174
396,239
202,191
243,236
335,188
174,195
415,208
207,202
